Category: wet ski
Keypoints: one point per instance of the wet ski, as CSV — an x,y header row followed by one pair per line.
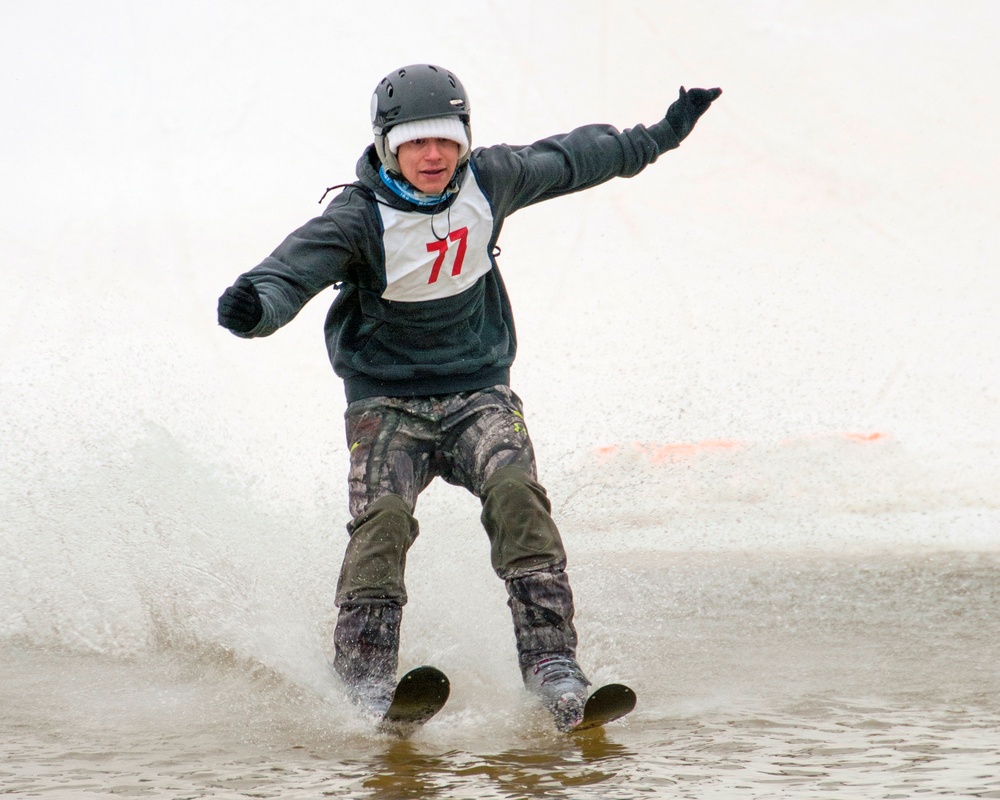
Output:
x,y
606,704
419,695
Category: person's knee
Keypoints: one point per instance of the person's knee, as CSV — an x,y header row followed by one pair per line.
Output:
x,y
375,561
517,517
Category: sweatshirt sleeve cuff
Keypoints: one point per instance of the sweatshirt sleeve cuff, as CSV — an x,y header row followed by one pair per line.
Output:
x,y
664,136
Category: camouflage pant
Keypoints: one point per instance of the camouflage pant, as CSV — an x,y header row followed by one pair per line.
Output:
x,y
478,440
399,444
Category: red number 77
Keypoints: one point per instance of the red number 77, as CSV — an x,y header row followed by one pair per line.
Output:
x,y
441,246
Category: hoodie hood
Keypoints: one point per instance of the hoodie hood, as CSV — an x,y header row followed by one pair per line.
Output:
x,y
367,170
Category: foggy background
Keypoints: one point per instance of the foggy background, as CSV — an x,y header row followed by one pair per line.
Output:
x,y
780,336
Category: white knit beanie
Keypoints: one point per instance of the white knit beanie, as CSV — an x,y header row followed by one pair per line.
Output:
x,y
450,128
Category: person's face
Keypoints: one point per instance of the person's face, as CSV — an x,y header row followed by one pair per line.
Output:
x,y
428,164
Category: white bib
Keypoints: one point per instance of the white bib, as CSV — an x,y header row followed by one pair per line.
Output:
x,y
421,266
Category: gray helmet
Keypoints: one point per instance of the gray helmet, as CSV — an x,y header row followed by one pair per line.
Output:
x,y
416,92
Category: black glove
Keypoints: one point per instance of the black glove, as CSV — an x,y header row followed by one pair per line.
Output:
x,y
686,109
240,308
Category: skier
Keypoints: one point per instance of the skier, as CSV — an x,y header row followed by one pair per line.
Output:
x,y
422,334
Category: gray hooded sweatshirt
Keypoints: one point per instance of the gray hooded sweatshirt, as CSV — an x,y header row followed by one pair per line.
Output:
x,y
421,309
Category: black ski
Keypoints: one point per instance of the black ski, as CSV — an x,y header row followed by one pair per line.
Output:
x,y
419,695
605,705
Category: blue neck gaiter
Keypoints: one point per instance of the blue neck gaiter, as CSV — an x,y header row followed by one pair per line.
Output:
x,y
407,192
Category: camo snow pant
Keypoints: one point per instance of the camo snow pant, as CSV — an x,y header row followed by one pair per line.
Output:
x,y
477,440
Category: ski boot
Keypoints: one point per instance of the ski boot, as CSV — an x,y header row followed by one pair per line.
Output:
x,y
562,687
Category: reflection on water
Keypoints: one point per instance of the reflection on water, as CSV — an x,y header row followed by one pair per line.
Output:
x,y
818,747
758,676
564,767
821,749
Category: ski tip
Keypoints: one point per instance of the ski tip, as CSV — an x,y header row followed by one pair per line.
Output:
x,y
419,695
625,694
425,673
608,703
428,682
